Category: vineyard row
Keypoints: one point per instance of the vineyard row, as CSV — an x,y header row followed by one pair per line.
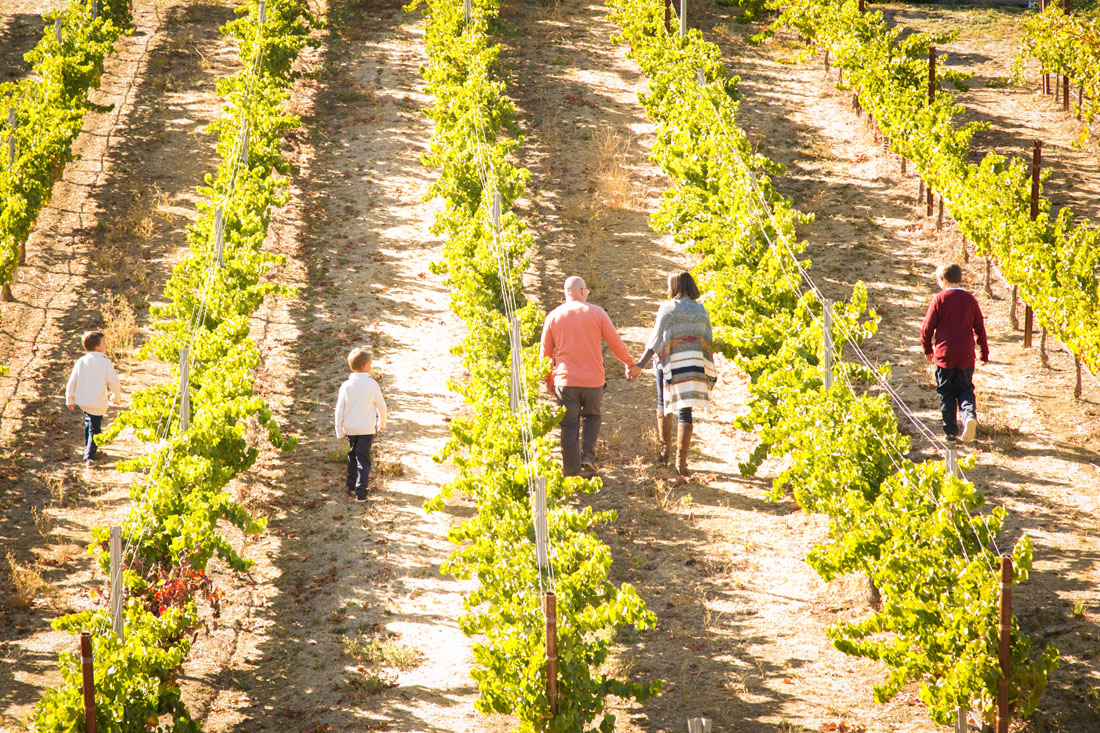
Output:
x,y
198,424
913,529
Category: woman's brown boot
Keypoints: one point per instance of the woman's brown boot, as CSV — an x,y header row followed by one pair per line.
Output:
x,y
668,428
683,447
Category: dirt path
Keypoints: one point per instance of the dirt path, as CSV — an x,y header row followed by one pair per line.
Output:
x,y
350,624
742,618
1037,446
114,230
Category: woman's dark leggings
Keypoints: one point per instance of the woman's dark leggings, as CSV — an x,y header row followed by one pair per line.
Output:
x,y
684,414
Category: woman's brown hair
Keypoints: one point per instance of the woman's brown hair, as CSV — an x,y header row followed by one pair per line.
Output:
x,y
681,284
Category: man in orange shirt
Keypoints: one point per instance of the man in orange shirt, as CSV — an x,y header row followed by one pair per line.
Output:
x,y
572,338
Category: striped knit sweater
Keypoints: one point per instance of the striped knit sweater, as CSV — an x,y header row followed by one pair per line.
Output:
x,y
683,346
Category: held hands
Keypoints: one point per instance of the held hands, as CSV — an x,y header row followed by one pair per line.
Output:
x,y
632,372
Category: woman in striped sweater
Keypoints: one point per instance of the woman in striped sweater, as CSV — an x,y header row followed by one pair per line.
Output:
x,y
681,347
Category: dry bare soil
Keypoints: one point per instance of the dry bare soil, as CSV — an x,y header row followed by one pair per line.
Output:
x,y
346,623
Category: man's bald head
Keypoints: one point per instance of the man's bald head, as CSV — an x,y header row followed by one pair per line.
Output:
x,y
575,289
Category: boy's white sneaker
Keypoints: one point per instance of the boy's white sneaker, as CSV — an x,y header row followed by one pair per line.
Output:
x,y
970,429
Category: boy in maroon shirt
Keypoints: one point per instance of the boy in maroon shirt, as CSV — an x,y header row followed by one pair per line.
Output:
x,y
948,335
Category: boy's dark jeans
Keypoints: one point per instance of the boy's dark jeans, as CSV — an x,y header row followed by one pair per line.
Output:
x,y
956,390
359,463
93,426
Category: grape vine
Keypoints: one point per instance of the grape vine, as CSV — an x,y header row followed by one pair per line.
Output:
x,y
914,529
475,134
171,531
1067,45
49,107
1054,260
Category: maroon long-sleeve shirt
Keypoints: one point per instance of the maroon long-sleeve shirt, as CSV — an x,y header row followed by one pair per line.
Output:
x,y
953,321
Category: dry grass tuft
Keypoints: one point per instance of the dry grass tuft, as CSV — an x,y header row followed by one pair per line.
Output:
x,y
42,522
26,585
613,178
119,327
57,489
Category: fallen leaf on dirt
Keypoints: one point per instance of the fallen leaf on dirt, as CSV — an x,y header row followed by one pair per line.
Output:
x,y
843,727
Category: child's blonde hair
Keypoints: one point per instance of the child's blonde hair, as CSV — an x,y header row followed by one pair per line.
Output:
x,y
360,358
91,340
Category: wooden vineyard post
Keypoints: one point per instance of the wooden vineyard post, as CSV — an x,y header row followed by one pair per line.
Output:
x,y
863,6
1046,76
931,74
1080,101
920,191
115,547
827,66
1077,384
551,609
1065,93
1004,645
939,217
827,335
88,677
930,203
1043,348
1036,166
668,15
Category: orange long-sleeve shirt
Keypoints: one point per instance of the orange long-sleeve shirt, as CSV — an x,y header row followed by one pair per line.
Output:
x,y
572,337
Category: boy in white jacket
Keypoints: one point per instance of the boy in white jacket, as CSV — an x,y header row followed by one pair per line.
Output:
x,y
93,386
360,412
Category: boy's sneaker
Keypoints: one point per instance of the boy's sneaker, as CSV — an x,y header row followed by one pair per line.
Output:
x,y
88,463
588,466
970,429
359,499
951,438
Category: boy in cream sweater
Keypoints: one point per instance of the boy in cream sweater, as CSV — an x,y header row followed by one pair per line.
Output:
x,y
93,386
360,413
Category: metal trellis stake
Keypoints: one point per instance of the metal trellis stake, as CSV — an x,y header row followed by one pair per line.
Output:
x,y
698,725
57,30
95,9
115,544
495,210
700,78
683,18
960,721
244,143
88,679
952,462
219,236
263,11
467,9
542,527
516,342
185,391
827,333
